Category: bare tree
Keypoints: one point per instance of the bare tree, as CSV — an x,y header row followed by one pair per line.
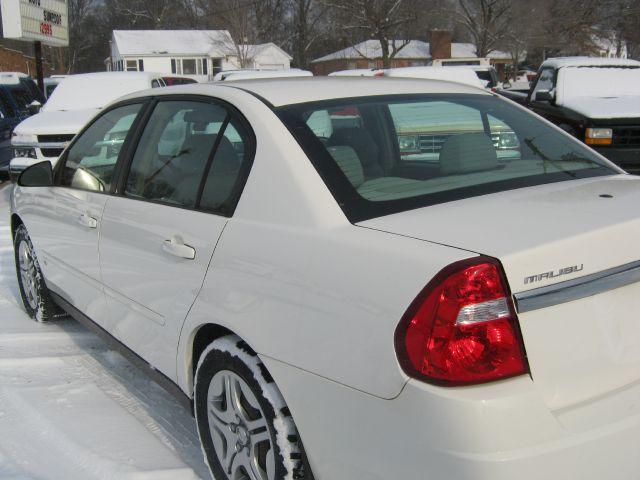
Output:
x,y
488,22
308,27
79,13
152,14
383,20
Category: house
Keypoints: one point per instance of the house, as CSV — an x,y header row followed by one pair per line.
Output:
x,y
265,56
198,54
368,54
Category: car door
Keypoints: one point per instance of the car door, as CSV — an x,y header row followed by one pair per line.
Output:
x,y
67,218
158,236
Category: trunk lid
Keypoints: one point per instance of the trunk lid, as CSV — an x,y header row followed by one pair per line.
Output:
x,y
544,235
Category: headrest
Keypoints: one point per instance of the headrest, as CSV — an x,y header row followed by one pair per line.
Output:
x,y
202,117
348,161
467,152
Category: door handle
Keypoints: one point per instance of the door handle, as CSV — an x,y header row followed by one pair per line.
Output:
x,y
177,248
88,221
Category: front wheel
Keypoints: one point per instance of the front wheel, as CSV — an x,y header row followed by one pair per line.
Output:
x,y
245,427
33,290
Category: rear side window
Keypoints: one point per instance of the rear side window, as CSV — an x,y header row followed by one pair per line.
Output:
x,y
90,162
401,152
191,154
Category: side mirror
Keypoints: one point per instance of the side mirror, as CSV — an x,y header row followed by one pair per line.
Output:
x,y
34,107
544,96
38,175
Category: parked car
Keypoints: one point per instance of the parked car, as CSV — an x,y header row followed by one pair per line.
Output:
x,y
597,100
359,72
465,75
487,74
76,99
465,319
12,112
51,83
176,80
250,74
24,90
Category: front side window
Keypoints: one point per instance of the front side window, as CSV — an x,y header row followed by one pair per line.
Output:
x,y
188,147
385,155
546,82
90,162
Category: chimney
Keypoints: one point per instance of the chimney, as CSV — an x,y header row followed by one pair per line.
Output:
x,y
440,44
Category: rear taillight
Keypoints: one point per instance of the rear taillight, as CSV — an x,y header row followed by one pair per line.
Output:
x,y
462,328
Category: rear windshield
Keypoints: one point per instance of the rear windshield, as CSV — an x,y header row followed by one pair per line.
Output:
x,y
384,155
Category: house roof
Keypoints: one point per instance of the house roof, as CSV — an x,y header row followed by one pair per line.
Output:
x,y
255,50
372,49
468,50
215,43
415,49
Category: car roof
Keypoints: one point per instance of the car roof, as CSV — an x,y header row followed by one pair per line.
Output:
x,y
290,91
589,62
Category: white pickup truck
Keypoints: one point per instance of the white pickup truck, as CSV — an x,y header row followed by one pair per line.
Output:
x,y
73,103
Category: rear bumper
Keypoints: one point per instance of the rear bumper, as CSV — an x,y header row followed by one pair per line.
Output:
x,y
492,432
626,158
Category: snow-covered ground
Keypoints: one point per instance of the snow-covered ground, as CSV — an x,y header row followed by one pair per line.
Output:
x,y
70,408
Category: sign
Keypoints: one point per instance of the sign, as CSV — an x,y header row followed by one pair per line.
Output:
x,y
46,21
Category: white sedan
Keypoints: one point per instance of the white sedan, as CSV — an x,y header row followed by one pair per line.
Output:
x,y
356,265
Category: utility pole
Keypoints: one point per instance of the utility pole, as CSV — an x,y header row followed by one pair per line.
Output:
x,y
37,45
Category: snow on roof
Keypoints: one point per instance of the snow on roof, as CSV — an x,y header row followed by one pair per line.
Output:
x,y
468,50
372,49
415,49
255,50
215,43
589,62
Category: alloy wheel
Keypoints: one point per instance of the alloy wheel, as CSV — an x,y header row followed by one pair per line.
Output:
x,y
28,274
239,429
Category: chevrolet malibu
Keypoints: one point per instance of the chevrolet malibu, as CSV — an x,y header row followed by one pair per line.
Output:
x,y
353,279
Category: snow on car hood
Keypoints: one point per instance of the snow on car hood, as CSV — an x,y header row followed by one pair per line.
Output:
x,y
536,229
605,107
56,122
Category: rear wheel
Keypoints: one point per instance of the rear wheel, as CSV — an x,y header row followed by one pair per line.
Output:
x,y
33,290
245,427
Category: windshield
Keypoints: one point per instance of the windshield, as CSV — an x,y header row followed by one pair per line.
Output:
x,y
385,155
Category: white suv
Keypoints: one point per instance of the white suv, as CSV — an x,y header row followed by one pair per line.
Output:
x,y
270,254
76,99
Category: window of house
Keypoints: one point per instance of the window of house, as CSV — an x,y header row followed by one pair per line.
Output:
x,y
132,65
189,66
216,65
